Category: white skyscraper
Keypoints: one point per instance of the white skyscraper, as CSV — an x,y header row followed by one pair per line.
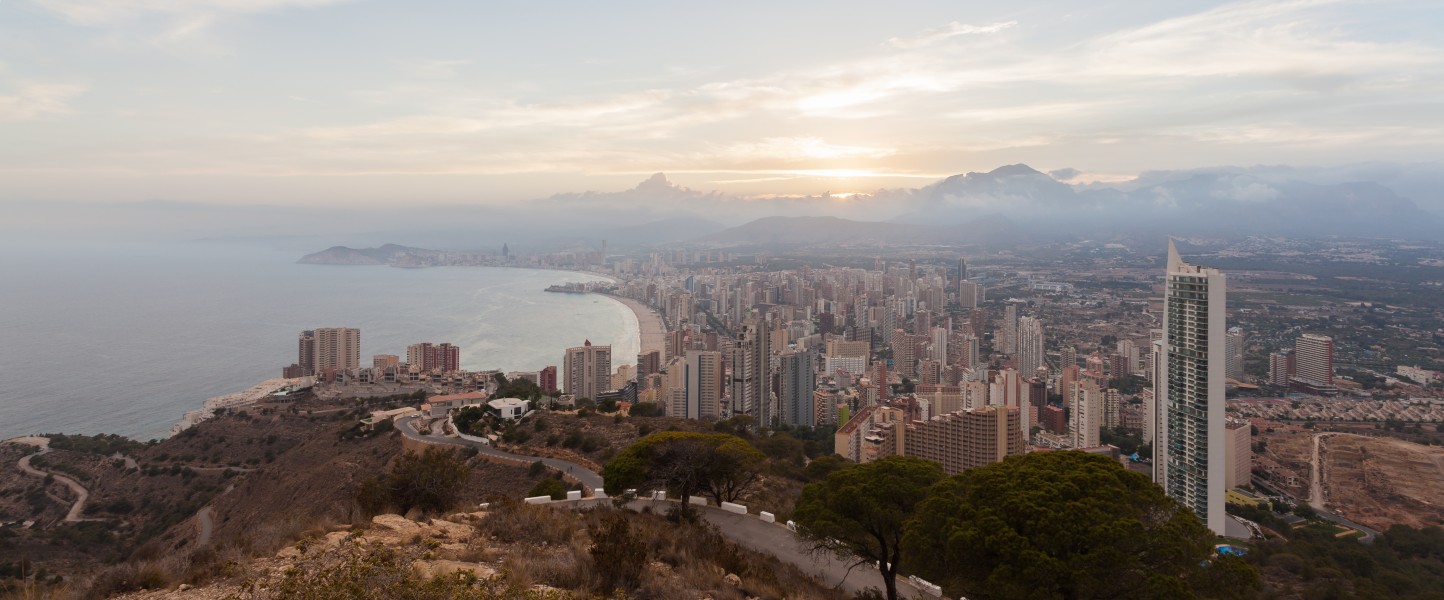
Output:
x,y
1030,346
1188,434
1086,414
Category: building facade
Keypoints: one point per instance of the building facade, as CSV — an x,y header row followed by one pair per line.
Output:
x,y
588,370
1188,428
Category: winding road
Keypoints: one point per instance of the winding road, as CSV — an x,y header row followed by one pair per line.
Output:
x,y
588,478
81,494
774,539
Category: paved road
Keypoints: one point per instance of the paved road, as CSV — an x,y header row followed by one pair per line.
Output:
x,y
205,524
587,477
81,494
774,539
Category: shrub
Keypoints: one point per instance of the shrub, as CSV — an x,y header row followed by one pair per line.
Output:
x,y
618,555
549,487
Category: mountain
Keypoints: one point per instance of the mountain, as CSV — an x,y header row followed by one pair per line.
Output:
x,y
389,254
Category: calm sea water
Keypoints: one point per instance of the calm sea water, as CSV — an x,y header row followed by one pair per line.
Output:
x,y
125,339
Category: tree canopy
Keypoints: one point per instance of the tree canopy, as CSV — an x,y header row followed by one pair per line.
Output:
x,y
861,510
686,463
1058,525
431,481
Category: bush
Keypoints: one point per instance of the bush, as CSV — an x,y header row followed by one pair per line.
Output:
x,y
431,481
618,555
549,487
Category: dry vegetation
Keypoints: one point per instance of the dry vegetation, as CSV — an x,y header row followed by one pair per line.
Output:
x,y
269,475
1382,481
513,551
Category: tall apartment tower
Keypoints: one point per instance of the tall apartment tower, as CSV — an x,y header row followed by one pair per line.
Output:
x,y
1281,367
799,379
1030,346
1009,329
1188,391
701,396
1234,343
588,369
751,373
1314,359
306,352
337,348
1086,415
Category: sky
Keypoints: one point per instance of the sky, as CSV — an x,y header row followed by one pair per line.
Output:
x,y
336,104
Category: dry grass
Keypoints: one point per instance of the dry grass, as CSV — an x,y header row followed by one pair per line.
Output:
x,y
552,547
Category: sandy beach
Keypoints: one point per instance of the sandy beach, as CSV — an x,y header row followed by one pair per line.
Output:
x,y
653,332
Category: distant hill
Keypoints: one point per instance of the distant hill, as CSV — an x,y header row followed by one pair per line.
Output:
x,y
389,254
1222,202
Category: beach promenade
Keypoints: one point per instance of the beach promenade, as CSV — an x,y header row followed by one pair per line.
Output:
x,y
653,331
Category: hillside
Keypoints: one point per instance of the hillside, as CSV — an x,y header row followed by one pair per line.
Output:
x,y
389,254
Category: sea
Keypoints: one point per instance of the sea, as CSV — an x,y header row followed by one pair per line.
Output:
x,y
126,338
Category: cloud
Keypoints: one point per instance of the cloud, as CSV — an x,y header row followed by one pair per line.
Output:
x,y
1064,174
97,12
938,34
789,149
33,99
1247,38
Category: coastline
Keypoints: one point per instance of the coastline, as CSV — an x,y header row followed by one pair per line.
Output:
x,y
235,400
651,331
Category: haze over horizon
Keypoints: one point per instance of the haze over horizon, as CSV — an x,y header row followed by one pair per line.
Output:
x,y
322,104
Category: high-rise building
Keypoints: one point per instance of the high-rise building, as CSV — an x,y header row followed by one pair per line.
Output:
x,y
1030,346
426,356
306,353
1281,367
970,295
1239,453
1314,359
1112,408
701,390
546,379
588,369
751,373
649,363
1189,435
1008,329
1067,357
798,380
1085,418
331,348
384,361
960,440
1233,348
